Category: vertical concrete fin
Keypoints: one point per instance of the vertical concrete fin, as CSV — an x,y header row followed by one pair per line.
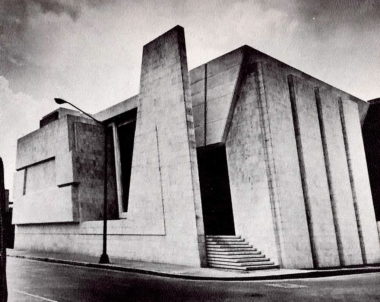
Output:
x,y
269,160
313,173
192,148
285,183
338,178
247,167
164,119
361,191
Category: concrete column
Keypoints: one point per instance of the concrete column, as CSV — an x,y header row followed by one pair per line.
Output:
x,y
361,191
164,156
247,170
338,178
283,168
313,174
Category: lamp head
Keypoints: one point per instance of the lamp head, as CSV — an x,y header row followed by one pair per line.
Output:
x,y
59,101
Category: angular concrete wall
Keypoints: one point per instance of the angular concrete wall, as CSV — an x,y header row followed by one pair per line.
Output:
x,y
70,153
361,190
164,156
313,174
247,171
337,172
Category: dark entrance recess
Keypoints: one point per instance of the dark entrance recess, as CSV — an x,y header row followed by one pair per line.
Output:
x,y
125,126
371,138
126,134
215,190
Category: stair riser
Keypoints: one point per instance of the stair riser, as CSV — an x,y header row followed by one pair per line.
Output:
x,y
223,236
241,264
238,260
234,252
235,259
227,242
229,245
231,250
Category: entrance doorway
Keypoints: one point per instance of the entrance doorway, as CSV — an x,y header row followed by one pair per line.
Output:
x,y
215,190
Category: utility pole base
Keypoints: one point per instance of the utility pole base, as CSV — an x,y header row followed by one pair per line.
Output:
x,y
104,259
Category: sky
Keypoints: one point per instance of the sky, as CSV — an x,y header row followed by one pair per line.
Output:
x,y
89,51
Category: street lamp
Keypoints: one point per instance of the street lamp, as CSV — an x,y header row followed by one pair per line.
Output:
x,y
104,257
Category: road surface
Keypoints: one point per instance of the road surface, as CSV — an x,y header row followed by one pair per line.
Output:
x,y
37,281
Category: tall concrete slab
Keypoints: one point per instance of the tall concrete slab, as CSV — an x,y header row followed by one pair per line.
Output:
x,y
313,174
248,182
164,156
284,169
357,165
198,84
214,87
338,177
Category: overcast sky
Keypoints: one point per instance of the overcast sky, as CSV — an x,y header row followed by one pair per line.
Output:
x,y
89,51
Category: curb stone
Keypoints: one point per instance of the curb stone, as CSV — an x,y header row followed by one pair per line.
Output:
x,y
301,275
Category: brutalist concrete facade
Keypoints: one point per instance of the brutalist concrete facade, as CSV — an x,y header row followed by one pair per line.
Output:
x,y
297,171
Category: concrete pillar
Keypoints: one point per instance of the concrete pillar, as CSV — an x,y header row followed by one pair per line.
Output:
x,y
338,178
164,156
313,174
247,160
361,191
283,168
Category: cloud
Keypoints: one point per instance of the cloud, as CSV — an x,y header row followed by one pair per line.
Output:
x,y
89,51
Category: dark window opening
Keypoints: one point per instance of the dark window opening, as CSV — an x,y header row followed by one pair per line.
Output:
x,y
126,135
371,138
215,191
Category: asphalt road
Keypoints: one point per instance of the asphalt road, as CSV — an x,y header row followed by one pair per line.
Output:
x,y
36,281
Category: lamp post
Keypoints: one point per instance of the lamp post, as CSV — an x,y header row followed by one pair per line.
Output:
x,y
104,257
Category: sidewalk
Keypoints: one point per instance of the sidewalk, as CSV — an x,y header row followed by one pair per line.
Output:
x,y
185,272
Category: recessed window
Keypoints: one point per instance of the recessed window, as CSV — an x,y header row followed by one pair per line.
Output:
x,y
126,135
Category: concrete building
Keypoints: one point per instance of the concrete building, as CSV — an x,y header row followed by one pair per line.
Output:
x,y
241,150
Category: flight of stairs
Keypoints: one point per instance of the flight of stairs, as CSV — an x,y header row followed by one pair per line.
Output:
x,y
233,252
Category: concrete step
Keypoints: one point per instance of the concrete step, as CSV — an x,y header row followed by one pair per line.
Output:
x,y
230,249
228,267
245,268
245,264
237,243
236,257
237,239
233,252
239,260
228,245
223,236
218,252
